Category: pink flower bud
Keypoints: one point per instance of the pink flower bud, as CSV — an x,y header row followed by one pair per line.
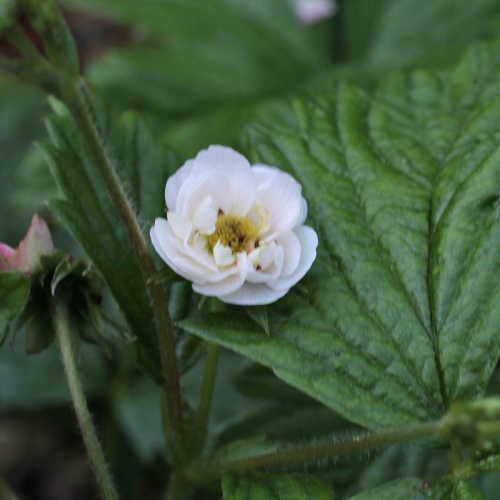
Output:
x,y
26,257
5,250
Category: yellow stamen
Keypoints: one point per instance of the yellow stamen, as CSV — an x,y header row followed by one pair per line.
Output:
x,y
233,231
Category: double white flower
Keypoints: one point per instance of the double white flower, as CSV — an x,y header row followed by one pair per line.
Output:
x,y
234,230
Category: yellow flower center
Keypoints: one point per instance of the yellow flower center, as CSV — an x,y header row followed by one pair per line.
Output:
x,y
234,232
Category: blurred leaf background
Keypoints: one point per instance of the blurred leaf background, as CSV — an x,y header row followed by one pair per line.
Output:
x,y
197,71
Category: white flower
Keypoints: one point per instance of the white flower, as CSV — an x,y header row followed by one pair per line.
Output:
x,y
234,230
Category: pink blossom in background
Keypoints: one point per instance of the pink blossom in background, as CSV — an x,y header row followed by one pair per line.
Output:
x,y
312,11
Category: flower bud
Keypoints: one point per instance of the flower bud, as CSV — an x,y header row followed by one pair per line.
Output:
x,y
26,257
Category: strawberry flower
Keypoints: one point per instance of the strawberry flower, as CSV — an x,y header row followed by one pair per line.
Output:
x,y
235,231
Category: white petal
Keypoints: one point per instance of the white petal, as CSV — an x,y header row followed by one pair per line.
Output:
x,y
254,276
197,187
280,194
266,257
260,218
229,284
271,264
171,250
223,255
253,295
196,266
292,250
205,216
308,242
174,184
303,213
181,226
233,167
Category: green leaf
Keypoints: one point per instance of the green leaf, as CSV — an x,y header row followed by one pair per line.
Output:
x,y
275,487
137,407
395,32
401,310
250,403
202,68
414,488
465,491
14,292
87,212
402,461
30,382
400,489
216,50
487,459
144,164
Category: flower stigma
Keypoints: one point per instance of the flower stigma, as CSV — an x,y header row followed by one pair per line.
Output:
x,y
233,231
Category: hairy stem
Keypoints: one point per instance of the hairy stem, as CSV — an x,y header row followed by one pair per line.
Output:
x,y
94,451
295,455
159,303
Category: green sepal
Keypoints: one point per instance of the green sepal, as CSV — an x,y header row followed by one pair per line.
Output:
x,y
75,281
14,292
259,315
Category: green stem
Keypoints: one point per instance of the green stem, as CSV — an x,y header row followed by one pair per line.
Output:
x,y
295,455
201,418
455,456
159,303
94,451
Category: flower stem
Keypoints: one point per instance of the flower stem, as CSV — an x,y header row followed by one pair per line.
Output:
x,y
201,418
61,324
295,455
159,303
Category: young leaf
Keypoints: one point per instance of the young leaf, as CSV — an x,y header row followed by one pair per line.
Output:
x,y
402,311
275,487
14,291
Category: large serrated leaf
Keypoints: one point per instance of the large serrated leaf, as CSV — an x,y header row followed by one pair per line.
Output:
x,y
402,308
86,210
275,487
